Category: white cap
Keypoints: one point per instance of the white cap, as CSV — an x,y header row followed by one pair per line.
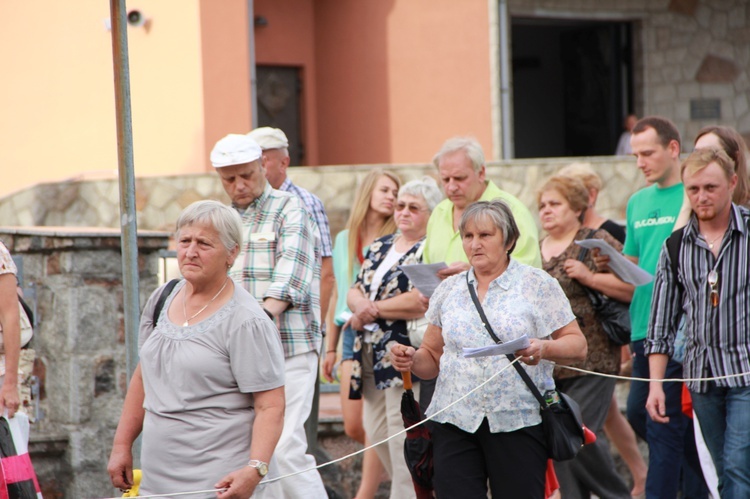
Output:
x,y
235,149
269,138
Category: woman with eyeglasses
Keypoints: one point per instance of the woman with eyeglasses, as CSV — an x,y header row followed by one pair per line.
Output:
x,y
382,301
371,217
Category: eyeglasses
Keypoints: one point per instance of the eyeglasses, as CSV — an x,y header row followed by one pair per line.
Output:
x,y
413,208
713,281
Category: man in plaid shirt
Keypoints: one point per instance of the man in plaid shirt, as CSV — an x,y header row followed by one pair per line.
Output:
x,y
280,266
275,146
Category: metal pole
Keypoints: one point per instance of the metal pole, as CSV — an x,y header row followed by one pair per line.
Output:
x,y
127,187
253,75
506,98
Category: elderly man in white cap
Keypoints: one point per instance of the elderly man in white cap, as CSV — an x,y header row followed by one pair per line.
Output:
x,y
280,266
275,148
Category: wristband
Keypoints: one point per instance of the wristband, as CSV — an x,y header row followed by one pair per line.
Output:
x,y
268,313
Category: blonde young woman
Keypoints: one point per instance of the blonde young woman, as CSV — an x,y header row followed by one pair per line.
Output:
x,y
371,217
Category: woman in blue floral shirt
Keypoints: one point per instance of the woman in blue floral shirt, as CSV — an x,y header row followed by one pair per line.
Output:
x,y
495,434
382,300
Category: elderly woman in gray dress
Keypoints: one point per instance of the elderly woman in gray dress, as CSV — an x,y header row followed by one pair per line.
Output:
x,y
208,393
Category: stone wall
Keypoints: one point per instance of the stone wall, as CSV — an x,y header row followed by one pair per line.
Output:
x,y
76,276
685,50
159,200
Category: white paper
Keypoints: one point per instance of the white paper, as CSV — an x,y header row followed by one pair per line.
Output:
x,y
624,268
499,349
345,316
424,276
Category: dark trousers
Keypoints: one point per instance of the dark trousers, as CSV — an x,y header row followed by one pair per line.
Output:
x,y
514,462
593,469
671,446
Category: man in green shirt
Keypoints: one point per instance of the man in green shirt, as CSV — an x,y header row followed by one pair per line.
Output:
x,y
460,163
651,215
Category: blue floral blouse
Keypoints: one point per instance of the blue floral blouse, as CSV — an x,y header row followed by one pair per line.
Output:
x,y
394,283
522,300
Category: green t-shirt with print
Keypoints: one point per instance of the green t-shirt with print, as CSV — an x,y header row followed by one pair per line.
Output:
x,y
651,215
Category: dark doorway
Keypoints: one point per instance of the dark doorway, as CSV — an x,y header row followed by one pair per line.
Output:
x,y
572,86
279,91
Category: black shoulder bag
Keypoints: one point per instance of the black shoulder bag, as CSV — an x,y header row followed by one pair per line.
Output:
x,y
613,315
562,421
162,300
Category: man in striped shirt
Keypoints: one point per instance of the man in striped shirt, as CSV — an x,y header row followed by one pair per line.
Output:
x,y
712,288
280,266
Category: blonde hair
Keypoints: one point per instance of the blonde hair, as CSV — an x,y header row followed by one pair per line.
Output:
x,y
360,208
584,173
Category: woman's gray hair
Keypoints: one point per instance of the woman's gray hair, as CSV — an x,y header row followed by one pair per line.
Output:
x,y
426,187
221,217
497,212
469,145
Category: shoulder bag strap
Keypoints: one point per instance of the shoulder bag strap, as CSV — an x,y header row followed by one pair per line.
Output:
x,y
162,300
521,371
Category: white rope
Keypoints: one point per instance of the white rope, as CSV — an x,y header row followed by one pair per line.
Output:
x,y
646,380
348,456
172,494
400,432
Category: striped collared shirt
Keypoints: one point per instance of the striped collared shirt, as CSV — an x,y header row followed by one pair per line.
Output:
x,y
279,260
717,339
315,206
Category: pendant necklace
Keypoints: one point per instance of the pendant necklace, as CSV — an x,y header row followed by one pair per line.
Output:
x,y
184,309
711,243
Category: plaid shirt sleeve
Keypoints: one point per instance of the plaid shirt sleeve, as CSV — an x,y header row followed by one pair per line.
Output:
x,y
295,256
315,206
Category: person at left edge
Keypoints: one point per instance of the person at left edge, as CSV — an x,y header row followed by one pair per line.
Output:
x,y
279,265
208,392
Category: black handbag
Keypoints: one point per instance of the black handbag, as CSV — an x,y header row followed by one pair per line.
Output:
x,y
561,421
613,315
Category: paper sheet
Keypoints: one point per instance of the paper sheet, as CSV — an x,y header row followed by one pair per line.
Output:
x,y
424,276
345,316
499,349
624,268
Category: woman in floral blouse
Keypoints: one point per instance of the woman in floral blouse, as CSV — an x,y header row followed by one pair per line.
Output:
x,y
495,434
382,300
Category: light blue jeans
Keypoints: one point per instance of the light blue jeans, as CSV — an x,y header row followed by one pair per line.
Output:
x,y
724,415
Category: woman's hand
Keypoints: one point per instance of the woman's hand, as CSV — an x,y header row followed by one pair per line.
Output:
x,y
239,484
533,353
9,398
365,311
328,362
579,271
120,467
402,357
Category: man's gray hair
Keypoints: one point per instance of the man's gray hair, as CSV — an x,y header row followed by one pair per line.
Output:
x,y
497,212
221,217
426,187
469,145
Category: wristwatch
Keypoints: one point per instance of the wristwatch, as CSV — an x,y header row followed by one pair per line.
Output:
x,y
260,466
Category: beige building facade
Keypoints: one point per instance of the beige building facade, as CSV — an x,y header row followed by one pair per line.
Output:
x,y
371,82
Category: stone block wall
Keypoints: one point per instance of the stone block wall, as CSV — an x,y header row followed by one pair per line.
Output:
x,y
159,200
684,50
80,343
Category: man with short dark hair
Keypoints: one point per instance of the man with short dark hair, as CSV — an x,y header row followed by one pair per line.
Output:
x,y
711,288
278,264
651,214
